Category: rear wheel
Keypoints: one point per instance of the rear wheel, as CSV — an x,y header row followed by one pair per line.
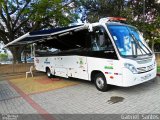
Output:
x,y
100,82
49,74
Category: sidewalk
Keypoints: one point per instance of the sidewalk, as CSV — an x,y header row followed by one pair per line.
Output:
x,y
59,99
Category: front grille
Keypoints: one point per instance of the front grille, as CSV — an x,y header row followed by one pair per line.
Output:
x,y
145,69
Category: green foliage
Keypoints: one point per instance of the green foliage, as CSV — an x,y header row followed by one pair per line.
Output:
x,y
133,10
52,12
158,69
3,57
102,8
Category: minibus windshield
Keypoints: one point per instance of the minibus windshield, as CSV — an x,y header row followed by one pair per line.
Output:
x,y
129,41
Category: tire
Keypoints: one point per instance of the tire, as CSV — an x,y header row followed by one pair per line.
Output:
x,y
100,82
48,72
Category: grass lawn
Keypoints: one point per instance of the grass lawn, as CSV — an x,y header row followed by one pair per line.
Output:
x,y
158,69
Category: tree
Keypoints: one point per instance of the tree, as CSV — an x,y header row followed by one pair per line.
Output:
x,y
96,9
18,17
147,20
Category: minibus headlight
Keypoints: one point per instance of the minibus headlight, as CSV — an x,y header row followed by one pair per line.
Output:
x,y
131,68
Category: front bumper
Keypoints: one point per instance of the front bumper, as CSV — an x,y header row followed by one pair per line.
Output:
x,y
130,79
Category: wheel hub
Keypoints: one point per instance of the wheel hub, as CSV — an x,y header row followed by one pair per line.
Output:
x,y
100,82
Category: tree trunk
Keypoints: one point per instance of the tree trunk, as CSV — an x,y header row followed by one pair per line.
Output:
x,y
25,56
16,52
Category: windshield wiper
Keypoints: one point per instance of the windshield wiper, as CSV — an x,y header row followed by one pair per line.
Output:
x,y
145,46
134,52
137,42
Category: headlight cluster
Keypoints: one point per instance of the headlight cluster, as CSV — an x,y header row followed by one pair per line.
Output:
x,y
131,68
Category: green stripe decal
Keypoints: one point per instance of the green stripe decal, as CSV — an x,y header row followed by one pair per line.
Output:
x,y
108,67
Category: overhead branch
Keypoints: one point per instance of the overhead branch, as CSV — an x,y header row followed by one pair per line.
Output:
x,y
4,38
13,8
3,18
2,26
20,13
2,32
66,5
36,25
22,23
9,23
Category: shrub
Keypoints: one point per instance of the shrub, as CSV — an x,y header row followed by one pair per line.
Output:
x,y
3,57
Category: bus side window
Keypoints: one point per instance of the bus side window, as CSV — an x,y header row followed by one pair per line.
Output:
x,y
94,41
100,40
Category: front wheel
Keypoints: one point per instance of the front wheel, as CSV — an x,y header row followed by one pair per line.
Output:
x,y
100,82
49,74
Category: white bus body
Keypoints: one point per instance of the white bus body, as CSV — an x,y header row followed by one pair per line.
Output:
x,y
124,68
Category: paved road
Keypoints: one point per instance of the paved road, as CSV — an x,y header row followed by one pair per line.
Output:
x,y
80,98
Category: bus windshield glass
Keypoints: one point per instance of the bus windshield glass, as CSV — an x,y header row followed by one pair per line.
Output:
x,y
129,41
